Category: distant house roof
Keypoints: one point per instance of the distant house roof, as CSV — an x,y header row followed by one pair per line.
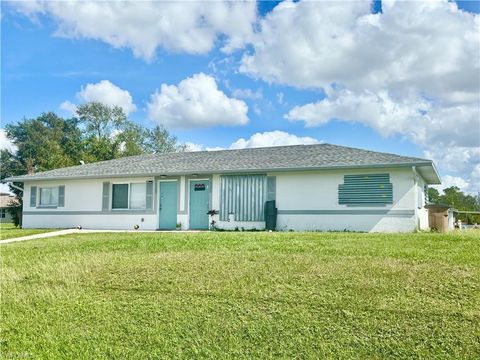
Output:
x,y
280,158
7,200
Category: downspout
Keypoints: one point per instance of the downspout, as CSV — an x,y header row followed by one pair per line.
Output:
x,y
15,186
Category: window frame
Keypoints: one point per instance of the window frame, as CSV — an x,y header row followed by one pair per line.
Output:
x,y
39,201
129,195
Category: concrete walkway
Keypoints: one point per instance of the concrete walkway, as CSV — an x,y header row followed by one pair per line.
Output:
x,y
85,231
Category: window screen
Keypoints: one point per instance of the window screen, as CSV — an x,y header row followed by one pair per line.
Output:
x,y
244,196
120,196
366,189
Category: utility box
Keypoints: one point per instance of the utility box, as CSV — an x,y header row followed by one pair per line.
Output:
x,y
270,215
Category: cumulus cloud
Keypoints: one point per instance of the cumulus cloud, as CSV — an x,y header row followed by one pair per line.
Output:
x,y
104,92
412,70
272,138
68,107
268,138
410,45
195,102
107,93
6,143
190,27
448,181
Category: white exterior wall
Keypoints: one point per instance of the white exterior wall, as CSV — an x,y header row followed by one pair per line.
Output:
x,y
83,207
306,200
309,201
421,211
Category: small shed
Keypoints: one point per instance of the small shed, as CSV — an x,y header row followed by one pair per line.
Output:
x,y
440,217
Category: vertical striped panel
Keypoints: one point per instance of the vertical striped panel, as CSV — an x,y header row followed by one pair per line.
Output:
x,y
149,195
244,196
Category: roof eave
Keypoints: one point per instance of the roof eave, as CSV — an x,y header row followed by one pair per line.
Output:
x,y
290,169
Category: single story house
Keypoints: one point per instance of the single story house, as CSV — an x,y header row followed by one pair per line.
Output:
x,y
315,187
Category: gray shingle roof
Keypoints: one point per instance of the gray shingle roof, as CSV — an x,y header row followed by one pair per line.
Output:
x,y
295,157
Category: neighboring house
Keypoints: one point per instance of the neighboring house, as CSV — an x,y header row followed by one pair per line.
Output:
x,y
6,200
316,187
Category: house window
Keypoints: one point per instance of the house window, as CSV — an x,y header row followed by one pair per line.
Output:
x,y
243,196
365,190
49,196
138,196
2,214
129,196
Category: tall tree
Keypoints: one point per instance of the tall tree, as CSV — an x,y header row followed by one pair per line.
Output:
x,y
158,140
45,143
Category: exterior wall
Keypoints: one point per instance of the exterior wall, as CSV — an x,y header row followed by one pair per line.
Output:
x,y
420,196
305,200
309,201
83,207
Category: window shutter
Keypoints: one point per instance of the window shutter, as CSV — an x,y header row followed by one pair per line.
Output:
x,y
271,188
106,196
149,195
61,196
33,196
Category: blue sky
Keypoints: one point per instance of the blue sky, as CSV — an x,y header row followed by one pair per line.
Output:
x,y
43,67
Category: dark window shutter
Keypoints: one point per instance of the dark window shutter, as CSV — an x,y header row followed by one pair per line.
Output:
x,y
106,196
33,196
149,192
61,196
271,188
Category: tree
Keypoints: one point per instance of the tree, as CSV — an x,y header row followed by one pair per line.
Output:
x,y
45,143
159,140
433,195
101,120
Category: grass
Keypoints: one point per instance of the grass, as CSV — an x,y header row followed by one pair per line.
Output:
x,y
242,296
8,231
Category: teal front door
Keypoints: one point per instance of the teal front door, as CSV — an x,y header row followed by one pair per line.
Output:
x,y
168,205
199,204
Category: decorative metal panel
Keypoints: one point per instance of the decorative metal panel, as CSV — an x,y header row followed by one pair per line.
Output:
x,y
244,196
366,189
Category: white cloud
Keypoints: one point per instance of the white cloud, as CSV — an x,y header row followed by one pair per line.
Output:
x,y
6,143
248,94
68,107
428,46
412,70
109,94
272,138
193,147
195,102
448,181
190,27
268,138
4,188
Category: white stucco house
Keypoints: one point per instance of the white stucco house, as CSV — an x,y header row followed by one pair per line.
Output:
x,y
315,187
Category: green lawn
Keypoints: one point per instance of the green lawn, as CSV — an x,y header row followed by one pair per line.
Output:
x,y
242,295
8,231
